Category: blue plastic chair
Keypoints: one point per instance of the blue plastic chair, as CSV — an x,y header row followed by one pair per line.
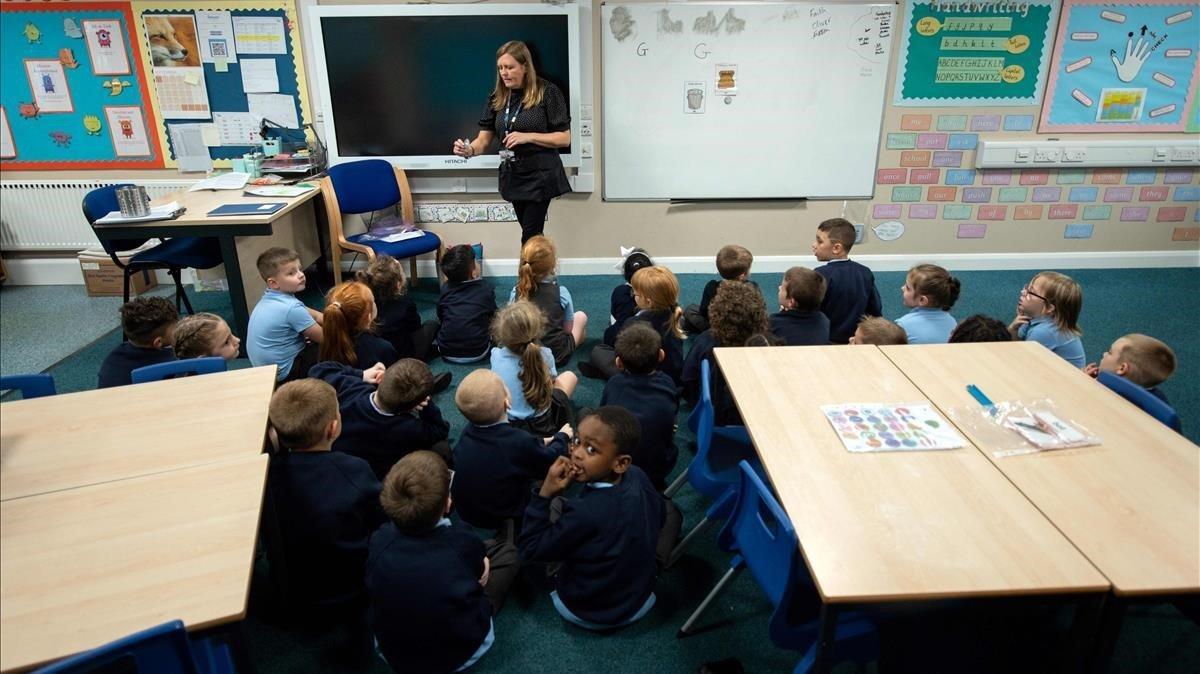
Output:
x,y
1145,400
717,483
30,385
174,254
178,368
163,649
762,536
367,186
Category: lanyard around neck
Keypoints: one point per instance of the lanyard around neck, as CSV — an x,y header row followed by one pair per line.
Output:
x,y
507,120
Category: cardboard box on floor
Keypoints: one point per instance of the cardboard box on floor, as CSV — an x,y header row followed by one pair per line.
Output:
x,y
103,278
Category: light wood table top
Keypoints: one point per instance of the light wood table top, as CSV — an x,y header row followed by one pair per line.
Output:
x,y
886,526
1131,504
75,439
85,566
199,203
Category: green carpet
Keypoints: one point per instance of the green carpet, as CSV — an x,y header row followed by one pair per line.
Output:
x,y
530,637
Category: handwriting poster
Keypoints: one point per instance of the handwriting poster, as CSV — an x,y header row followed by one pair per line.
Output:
x,y
1123,67
973,53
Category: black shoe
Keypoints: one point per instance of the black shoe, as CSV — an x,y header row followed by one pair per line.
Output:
x,y
591,371
441,382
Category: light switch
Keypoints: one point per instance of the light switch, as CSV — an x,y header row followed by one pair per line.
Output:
x,y
1023,154
1046,155
1074,154
1161,153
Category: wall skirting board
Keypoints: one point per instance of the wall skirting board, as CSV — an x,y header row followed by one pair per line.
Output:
x,y
65,271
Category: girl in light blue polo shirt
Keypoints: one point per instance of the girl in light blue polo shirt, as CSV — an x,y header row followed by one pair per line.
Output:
x,y
1048,313
930,291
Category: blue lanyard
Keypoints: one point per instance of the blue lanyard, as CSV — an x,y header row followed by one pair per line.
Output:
x,y
509,121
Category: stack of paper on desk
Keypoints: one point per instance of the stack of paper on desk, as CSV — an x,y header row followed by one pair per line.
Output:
x,y
165,212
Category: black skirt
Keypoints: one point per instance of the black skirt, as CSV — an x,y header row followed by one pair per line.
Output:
x,y
536,176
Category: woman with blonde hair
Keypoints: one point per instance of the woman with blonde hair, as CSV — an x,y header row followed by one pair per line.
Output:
x,y
530,117
536,282
656,293
539,397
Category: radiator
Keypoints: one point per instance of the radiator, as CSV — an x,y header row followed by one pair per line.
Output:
x,y
48,214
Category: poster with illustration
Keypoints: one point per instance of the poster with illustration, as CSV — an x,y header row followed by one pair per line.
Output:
x,y
172,39
106,47
1123,67
891,427
955,52
127,129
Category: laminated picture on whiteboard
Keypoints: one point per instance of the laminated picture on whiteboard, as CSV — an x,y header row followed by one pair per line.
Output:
x,y
725,79
693,98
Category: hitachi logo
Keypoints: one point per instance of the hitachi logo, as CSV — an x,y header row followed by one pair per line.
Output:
x,y
456,160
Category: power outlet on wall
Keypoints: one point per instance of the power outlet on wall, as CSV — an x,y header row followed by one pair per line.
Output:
x,y
1046,154
1074,154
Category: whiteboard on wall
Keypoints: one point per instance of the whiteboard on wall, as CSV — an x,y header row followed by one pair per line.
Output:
x,y
743,100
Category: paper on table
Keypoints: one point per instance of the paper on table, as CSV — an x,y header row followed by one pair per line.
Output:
x,y
164,212
277,191
214,33
226,181
187,144
212,137
259,34
279,108
888,427
237,128
259,76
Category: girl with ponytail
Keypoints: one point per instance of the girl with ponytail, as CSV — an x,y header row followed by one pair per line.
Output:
x,y
349,316
540,397
656,293
565,328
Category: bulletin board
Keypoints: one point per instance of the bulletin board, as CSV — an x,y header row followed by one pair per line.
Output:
x,y
201,57
73,92
1123,67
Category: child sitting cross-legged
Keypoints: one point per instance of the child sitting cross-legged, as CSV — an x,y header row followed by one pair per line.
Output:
x,y
650,395
621,304
1141,359
465,308
386,413
800,321
733,264
656,293
282,330
738,312
605,538
930,291
433,585
348,329
328,502
565,329
148,323
397,319
540,397
850,291
494,461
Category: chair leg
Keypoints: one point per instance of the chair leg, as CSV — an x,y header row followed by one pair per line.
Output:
x,y
735,568
675,486
337,262
125,295
412,272
180,295
700,528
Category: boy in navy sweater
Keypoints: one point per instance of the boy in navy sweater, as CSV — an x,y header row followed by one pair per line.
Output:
x,y
733,264
382,424
433,585
465,309
800,321
650,395
328,502
850,291
605,538
149,324
494,462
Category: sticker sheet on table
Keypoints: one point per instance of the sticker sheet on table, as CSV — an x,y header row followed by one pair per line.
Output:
x,y
889,427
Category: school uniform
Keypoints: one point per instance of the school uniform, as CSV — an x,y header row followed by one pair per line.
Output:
x,y
654,400
1063,343
464,311
370,349
605,540
398,322
120,363
493,468
428,611
850,294
604,357
328,505
542,423
927,325
380,438
725,411
801,328
696,316
1158,393
274,334
621,304
558,307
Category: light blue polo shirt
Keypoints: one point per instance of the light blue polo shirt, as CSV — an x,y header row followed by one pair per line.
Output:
x,y
927,325
1046,332
273,334
508,365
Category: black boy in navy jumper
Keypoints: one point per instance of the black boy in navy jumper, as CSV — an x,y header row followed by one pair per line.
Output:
x,y
433,585
381,425
495,463
327,502
465,309
650,395
605,538
850,291
148,323
800,321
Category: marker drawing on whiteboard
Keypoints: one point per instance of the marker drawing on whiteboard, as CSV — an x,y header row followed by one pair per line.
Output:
x,y
1163,78
1159,112
889,231
1080,64
1081,97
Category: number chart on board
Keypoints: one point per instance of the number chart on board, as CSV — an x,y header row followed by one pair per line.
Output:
x,y
889,427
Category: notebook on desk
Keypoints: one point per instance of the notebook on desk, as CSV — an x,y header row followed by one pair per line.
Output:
x,y
247,209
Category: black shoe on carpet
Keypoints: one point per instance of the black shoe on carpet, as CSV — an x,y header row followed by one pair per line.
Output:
x,y
590,371
441,382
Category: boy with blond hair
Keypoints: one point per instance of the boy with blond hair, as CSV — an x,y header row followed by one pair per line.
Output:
x,y
850,291
283,331
878,331
1141,359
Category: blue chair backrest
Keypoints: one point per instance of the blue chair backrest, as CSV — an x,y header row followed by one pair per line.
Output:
x,y
701,474
1142,398
178,368
99,203
763,535
163,649
30,385
365,186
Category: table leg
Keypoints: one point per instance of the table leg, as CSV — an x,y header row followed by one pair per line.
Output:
x,y
1110,628
826,633
1082,637
237,291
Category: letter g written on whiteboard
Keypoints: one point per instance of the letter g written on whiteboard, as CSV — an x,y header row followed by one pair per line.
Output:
x,y
641,49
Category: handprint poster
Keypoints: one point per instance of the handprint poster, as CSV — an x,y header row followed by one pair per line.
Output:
x,y
1124,67
974,52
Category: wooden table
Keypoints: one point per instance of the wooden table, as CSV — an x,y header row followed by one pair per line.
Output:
x,y
85,566
889,526
242,238
1131,504
76,439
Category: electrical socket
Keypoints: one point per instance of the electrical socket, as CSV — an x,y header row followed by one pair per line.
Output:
x,y
1046,154
585,150
1074,154
1185,154
585,129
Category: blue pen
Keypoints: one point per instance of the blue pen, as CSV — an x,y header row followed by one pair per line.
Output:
x,y
979,396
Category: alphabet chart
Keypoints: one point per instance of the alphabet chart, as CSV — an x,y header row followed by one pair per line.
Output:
x,y
891,427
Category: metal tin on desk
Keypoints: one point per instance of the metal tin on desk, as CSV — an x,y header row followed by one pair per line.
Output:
x,y
133,201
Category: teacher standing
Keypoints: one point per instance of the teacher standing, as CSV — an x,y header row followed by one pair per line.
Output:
x,y
530,117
